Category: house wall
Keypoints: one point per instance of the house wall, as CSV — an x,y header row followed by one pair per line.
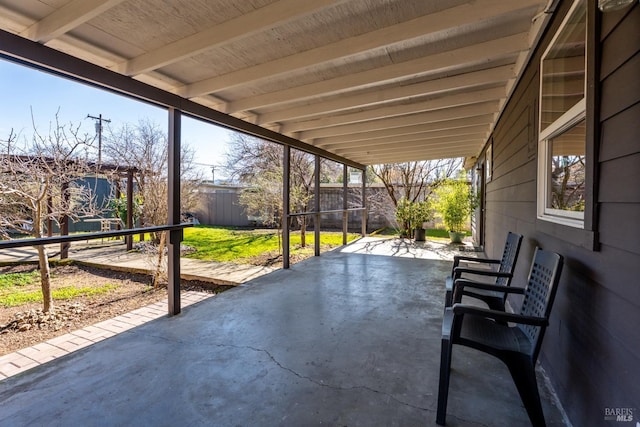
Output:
x,y
591,349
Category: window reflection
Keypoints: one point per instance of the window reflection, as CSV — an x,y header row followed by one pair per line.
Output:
x,y
563,70
567,179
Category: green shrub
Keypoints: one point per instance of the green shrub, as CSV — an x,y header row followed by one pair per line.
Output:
x,y
455,203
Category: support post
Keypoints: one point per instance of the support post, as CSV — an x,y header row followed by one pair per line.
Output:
x,y
129,239
173,217
364,202
286,171
316,219
345,203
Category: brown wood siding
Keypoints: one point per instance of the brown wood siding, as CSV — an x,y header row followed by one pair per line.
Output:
x,y
592,347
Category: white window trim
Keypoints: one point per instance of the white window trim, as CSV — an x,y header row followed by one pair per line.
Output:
x,y
569,119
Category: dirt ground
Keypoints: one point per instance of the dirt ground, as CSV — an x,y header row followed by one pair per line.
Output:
x,y
25,325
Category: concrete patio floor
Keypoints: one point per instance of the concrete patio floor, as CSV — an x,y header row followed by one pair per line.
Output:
x,y
351,338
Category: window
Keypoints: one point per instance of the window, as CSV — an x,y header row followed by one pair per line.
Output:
x,y
488,162
562,140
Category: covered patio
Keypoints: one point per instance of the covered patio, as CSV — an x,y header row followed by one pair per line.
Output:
x,y
352,338
348,338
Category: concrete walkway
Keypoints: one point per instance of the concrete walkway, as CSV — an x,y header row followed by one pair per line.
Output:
x,y
351,338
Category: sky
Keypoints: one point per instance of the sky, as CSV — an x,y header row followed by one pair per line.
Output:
x,y
24,89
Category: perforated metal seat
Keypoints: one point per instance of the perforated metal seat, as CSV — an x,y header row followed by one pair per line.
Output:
x,y
517,344
495,299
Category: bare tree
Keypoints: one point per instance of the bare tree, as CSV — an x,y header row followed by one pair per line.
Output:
x,y
415,181
258,164
41,182
568,182
144,148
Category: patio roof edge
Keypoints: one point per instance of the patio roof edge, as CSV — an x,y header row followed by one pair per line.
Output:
x,y
35,55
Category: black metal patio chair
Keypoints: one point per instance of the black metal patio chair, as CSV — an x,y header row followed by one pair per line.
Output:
x,y
513,338
495,299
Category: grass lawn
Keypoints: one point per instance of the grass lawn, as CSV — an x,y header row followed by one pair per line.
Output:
x,y
227,244
21,288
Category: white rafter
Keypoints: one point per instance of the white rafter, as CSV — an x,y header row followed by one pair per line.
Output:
x,y
66,18
464,98
479,130
469,54
379,96
228,31
399,33
386,81
414,145
439,126
429,116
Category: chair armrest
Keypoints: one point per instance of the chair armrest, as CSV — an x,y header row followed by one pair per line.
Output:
x,y
457,271
462,309
458,258
460,284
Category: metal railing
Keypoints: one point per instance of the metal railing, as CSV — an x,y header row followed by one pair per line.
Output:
x,y
316,214
20,243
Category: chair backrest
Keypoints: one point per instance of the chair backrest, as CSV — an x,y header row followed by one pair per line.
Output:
x,y
540,293
509,257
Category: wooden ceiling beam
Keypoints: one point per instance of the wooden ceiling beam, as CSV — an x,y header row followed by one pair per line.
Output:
x,y
479,52
65,19
449,133
465,98
440,126
243,26
457,16
427,154
429,116
410,145
379,96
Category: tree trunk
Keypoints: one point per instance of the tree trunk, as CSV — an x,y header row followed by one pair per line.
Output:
x,y
303,232
45,279
158,274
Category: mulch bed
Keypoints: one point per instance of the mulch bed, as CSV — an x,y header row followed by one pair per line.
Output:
x,y
26,325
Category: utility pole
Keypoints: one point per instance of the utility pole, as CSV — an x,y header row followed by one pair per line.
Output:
x,y
99,121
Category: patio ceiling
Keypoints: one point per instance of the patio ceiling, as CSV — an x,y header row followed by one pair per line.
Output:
x,y
373,81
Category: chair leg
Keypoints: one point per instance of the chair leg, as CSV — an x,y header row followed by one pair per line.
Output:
x,y
443,385
524,376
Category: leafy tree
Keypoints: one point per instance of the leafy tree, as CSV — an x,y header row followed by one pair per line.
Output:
x,y
413,214
41,183
455,203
